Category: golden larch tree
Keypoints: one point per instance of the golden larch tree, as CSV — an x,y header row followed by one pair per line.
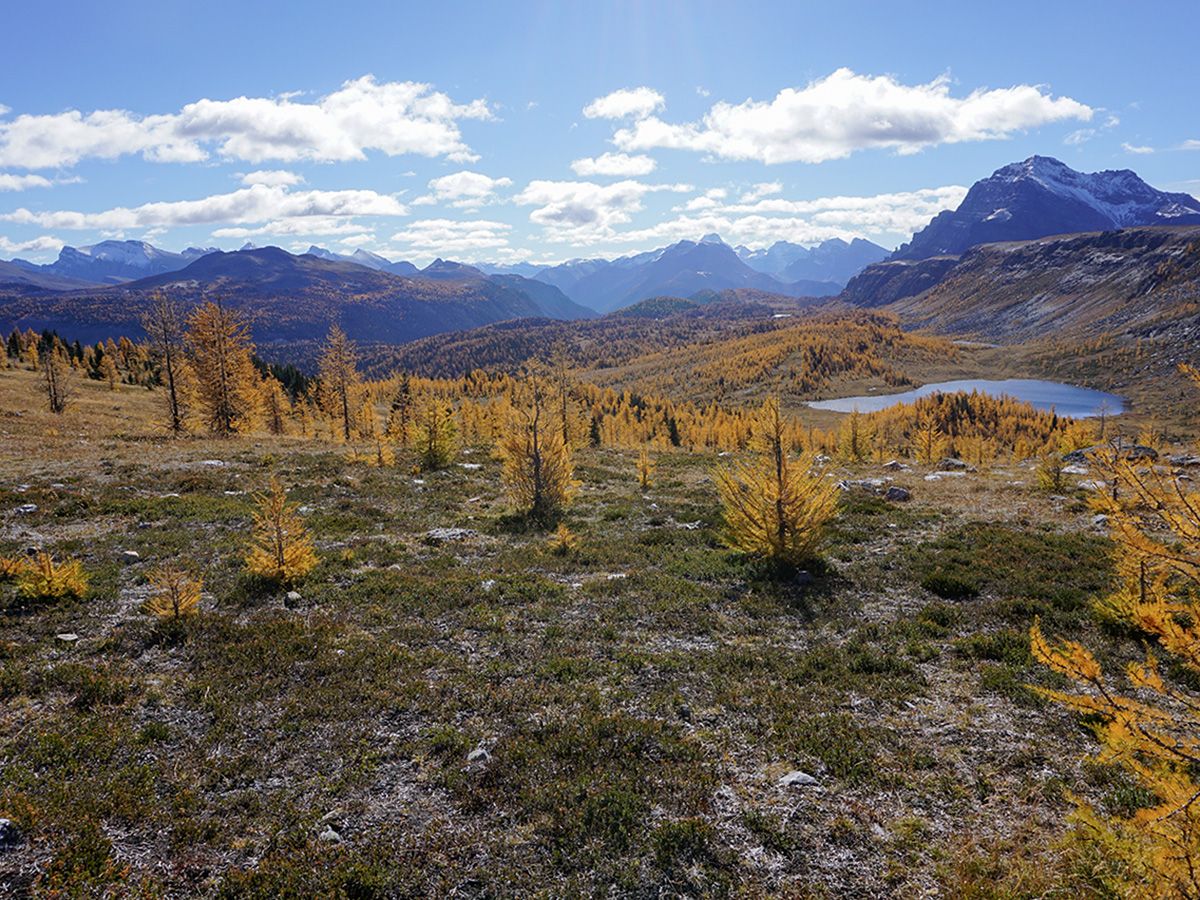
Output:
x,y
227,384
174,592
1151,726
340,384
280,548
537,470
776,507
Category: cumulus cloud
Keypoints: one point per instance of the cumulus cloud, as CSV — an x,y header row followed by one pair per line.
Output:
x,y
272,178
835,116
760,190
256,203
464,190
571,209
42,244
636,102
764,221
394,118
449,237
22,182
613,164
710,199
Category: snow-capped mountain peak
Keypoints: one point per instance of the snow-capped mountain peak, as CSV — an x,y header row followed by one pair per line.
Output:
x,y
1042,196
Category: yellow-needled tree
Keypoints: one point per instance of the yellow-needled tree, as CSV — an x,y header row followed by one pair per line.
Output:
x,y
537,470
1150,725
280,548
227,385
776,507
341,386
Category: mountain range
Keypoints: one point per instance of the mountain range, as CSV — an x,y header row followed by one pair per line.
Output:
x,y
1026,243
1042,196
291,298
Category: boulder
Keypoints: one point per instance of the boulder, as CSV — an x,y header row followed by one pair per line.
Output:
x,y
897,494
447,535
798,779
10,835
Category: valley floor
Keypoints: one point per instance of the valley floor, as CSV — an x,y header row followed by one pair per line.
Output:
x,y
485,716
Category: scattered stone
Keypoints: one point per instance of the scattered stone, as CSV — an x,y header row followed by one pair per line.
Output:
x,y
1128,451
293,597
471,466
445,535
950,464
1075,470
215,463
1100,521
685,712
870,485
1184,461
330,836
798,779
894,465
142,526
933,476
478,755
615,576
1096,485
26,508
130,556
488,585
689,526
897,494
68,637
10,835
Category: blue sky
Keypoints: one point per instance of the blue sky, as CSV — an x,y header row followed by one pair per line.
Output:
x,y
544,131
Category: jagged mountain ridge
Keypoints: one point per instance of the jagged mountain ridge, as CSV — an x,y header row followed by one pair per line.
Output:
x,y
1042,196
294,299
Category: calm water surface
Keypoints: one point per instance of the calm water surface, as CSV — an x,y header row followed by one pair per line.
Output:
x,y
1065,399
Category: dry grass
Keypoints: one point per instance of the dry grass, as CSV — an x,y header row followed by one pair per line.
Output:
x,y
489,715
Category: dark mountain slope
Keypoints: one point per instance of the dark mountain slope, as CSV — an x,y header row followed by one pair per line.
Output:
x,y
1042,196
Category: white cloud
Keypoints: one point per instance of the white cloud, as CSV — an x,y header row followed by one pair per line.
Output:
x,y
888,217
636,102
22,182
1190,144
613,164
363,115
257,203
326,226
1139,149
710,199
575,209
463,190
844,112
1079,136
760,190
272,178
43,244
447,237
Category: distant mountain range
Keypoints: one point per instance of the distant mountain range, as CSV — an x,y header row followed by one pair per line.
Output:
x,y
1035,245
680,270
112,262
598,284
293,298
833,260
1042,196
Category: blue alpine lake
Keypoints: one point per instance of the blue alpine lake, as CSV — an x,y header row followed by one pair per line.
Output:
x,y
1065,399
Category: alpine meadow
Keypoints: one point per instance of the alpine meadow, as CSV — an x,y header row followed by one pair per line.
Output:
x,y
638,449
